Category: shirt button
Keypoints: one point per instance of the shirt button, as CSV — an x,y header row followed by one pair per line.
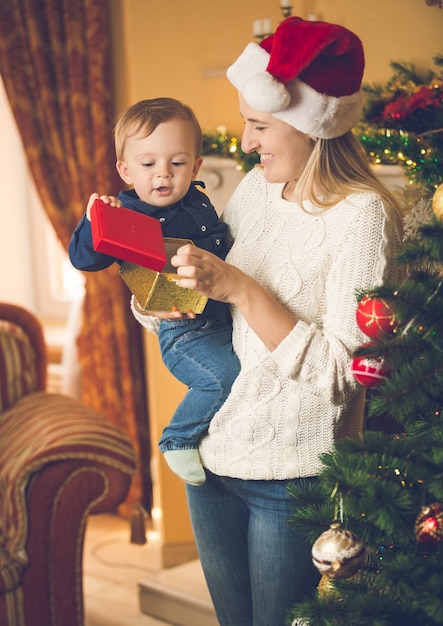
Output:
x,y
205,205
161,219
203,228
217,241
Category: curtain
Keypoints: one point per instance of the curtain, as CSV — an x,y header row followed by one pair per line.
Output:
x,y
55,61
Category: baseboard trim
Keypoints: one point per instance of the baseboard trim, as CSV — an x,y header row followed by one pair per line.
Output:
x,y
175,606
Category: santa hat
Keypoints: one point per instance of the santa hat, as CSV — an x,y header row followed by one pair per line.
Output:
x,y
307,74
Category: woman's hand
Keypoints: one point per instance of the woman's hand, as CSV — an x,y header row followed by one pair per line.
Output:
x,y
171,315
204,272
163,315
112,200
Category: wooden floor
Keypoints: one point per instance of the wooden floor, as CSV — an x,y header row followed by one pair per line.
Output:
x,y
119,575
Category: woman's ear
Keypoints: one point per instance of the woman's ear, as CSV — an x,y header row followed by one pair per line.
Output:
x,y
122,169
196,168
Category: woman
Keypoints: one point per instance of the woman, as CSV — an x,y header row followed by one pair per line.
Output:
x,y
311,227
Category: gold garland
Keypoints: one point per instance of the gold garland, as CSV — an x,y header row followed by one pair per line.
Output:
x,y
223,144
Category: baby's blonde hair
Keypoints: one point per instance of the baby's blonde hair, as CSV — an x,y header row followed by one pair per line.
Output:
x,y
144,117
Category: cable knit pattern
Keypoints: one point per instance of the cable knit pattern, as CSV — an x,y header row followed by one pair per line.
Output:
x,y
288,406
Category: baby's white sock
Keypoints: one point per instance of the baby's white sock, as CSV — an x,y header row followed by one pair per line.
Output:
x,y
187,465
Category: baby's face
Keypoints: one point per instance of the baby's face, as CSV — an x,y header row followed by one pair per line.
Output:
x,y
162,165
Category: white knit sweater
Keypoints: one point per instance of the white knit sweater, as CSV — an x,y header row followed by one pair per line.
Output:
x,y
288,406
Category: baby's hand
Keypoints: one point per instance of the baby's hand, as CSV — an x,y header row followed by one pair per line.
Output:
x,y
112,200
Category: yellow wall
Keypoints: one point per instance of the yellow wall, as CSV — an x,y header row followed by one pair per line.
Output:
x,y
165,48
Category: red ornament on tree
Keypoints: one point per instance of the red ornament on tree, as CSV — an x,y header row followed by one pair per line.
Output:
x,y
368,371
428,527
375,317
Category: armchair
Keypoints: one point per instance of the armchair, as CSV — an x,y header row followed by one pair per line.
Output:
x,y
59,462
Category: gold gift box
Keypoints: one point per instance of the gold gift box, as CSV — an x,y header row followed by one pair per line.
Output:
x,y
157,291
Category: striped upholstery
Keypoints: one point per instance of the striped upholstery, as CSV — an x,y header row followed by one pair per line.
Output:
x,y
17,364
39,429
59,462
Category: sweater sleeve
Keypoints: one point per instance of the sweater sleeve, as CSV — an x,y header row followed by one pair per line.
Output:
x,y
364,257
152,324
81,251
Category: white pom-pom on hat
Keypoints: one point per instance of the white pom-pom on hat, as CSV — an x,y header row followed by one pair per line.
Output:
x,y
266,94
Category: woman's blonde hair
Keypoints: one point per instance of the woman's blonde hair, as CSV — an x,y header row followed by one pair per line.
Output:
x,y
337,168
144,117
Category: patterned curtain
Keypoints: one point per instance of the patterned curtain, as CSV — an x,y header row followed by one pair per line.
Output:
x,y
55,64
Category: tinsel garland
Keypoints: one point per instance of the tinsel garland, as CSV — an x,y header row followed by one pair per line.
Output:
x,y
415,153
403,123
223,144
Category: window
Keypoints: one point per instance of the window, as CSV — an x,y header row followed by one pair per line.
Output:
x,y
36,272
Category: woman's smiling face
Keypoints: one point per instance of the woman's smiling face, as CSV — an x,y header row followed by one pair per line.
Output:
x,y
284,151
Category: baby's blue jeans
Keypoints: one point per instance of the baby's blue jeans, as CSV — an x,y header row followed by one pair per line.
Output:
x,y
198,353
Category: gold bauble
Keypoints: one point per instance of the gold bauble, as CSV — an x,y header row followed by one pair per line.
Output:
x,y
326,588
437,203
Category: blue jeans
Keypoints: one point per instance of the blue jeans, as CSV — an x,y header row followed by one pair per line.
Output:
x,y
198,353
256,565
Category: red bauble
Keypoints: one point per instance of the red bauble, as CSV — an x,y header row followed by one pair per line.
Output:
x,y
428,527
368,371
375,317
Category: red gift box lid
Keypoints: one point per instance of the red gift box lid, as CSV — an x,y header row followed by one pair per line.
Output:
x,y
128,235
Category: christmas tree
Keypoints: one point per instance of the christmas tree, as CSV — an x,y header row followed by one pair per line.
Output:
x,y
381,560
403,122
